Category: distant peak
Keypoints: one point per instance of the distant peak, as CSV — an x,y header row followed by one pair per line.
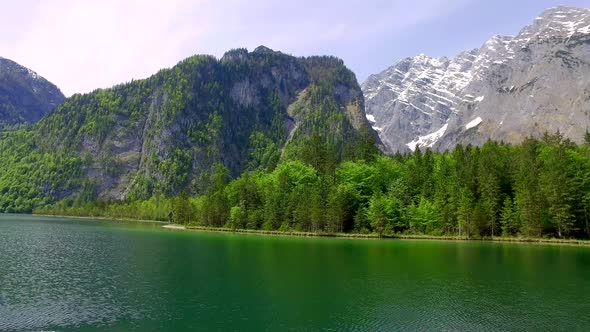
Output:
x,y
429,102
428,60
560,21
422,56
501,38
235,54
263,49
563,13
564,10
242,53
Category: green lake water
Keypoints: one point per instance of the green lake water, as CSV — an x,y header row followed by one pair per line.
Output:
x,y
78,275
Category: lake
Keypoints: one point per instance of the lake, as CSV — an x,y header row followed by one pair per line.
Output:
x,y
79,275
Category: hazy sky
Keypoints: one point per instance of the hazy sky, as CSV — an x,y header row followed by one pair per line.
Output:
x,y
81,45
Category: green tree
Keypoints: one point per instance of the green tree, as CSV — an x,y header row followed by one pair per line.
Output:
x,y
181,208
528,191
446,186
238,217
509,218
425,217
465,215
557,181
489,184
381,213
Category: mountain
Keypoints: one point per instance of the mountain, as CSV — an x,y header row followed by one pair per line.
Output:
x,y
512,87
169,133
25,97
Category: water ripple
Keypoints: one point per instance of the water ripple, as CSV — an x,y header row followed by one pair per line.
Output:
x,y
69,275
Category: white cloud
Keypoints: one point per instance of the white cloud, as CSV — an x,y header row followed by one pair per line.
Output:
x,y
81,45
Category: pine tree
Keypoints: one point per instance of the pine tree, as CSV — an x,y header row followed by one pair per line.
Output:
x,y
181,208
509,218
556,182
426,174
528,193
489,184
445,192
380,213
465,213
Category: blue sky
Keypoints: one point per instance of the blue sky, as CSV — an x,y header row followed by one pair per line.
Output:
x,y
81,45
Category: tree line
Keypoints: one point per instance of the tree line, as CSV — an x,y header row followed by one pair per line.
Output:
x,y
540,188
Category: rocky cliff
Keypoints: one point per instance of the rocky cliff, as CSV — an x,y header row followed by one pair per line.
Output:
x,y
25,97
512,87
245,111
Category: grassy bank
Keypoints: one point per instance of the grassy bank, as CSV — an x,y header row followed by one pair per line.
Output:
x,y
385,236
175,227
100,218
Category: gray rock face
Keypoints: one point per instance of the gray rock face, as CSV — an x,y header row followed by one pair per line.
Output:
x,y
245,110
510,88
25,97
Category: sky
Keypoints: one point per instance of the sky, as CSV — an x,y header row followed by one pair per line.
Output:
x,y
82,45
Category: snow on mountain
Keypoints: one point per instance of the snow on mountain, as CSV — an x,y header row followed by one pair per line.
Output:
x,y
474,123
514,87
428,140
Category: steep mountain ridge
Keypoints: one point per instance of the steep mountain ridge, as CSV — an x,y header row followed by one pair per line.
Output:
x,y
169,133
510,88
25,97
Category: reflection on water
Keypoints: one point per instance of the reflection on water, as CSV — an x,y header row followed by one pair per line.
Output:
x,y
59,274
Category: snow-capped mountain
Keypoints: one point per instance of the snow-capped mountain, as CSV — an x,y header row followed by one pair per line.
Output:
x,y
510,88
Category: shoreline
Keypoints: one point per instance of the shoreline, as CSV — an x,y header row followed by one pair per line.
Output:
x,y
358,236
372,236
100,218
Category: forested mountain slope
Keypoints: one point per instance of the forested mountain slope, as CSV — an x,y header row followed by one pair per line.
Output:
x,y
176,130
538,189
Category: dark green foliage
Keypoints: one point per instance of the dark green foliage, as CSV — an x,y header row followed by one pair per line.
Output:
x,y
31,179
558,184
537,189
246,111
264,154
263,140
509,219
181,209
527,189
